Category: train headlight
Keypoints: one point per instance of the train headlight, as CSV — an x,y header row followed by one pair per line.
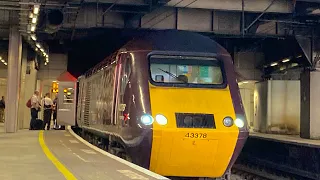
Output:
x,y
161,119
147,119
228,121
239,123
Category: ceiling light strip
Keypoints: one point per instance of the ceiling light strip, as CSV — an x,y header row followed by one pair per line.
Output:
x,y
38,47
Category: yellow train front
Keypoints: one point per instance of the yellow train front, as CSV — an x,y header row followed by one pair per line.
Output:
x,y
201,136
196,132
179,103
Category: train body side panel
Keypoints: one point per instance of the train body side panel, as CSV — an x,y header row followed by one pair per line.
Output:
x,y
174,154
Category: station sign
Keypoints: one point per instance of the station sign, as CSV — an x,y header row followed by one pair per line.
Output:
x,y
55,87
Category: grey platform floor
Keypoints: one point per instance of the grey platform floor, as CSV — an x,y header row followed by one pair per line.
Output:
x,y
295,139
22,158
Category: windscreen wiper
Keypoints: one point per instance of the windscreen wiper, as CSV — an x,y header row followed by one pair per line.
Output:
x,y
172,75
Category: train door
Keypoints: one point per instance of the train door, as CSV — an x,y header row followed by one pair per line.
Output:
x,y
124,71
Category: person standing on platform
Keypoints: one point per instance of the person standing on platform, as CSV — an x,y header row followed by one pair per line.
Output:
x,y
2,108
47,112
55,108
35,107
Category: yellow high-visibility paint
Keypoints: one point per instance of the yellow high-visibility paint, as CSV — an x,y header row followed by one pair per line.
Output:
x,y
175,154
66,173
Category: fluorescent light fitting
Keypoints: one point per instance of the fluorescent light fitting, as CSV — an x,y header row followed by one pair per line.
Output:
x,y
31,15
45,63
294,64
33,28
38,45
299,56
245,82
286,60
0,57
274,64
5,63
2,60
33,37
36,9
41,50
34,20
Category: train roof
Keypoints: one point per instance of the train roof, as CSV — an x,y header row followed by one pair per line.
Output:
x,y
174,40
166,40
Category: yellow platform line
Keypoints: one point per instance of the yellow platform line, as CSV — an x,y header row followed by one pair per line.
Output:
x,y
67,174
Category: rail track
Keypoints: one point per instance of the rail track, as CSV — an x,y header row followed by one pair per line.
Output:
x,y
250,172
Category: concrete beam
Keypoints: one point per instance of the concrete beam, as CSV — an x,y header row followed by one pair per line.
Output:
x,y
213,21
132,2
280,6
214,16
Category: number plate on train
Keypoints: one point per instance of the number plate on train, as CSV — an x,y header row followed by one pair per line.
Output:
x,y
196,135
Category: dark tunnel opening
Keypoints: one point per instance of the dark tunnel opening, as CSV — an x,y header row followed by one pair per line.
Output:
x,y
55,17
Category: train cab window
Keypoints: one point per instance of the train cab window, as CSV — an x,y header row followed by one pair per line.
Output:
x,y
185,70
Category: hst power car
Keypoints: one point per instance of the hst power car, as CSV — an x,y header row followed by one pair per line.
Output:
x,y
167,101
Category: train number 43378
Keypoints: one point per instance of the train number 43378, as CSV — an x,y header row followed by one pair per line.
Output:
x,y
196,135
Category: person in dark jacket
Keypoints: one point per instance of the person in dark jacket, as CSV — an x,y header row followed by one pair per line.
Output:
x,y
55,108
47,112
2,108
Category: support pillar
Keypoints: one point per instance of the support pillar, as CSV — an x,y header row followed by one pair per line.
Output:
x,y
30,87
310,105
22,100
13,80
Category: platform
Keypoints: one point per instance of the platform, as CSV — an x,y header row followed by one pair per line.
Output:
x,y
61,155
291,139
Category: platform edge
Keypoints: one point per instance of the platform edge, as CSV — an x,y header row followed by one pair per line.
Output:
x,y
134,166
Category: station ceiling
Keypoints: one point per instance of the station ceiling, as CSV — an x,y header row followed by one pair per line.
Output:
x,y
85,22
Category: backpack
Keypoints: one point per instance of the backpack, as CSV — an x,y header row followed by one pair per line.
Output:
x,y
28,104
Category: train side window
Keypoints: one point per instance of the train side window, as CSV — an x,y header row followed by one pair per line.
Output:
x,y
68,94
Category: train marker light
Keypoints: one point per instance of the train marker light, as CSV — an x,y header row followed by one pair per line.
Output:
x,y
239,123
147,119
161,119
228,121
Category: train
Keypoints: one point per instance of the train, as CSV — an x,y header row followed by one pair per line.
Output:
x,y
167,101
